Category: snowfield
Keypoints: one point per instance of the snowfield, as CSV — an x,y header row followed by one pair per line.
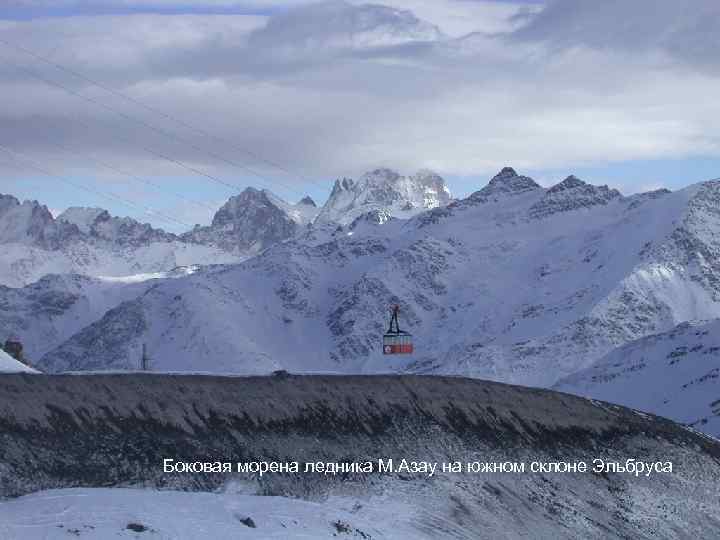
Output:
x,y
673,374
104,514
9,365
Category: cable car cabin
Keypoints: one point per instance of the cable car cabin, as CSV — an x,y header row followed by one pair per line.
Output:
x,y
396,341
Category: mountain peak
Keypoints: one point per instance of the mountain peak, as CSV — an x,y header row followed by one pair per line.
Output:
x,y
239,205
570,182
344,184
26,223
98,224
572,194
508,181
253,220
7,201
505,172
308,201
387,191
84,218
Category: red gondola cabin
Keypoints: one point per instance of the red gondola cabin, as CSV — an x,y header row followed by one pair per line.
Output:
x,y
396,341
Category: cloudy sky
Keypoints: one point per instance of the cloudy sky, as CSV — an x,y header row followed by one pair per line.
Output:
x,y
174,105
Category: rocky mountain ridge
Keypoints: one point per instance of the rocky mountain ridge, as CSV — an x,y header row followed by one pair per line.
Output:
x,y
515,283
90,241
535,304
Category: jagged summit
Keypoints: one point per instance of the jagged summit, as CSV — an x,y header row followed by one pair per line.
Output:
x,y
507,181
385,190
572,194
98,225
237,205
345,184
505,172
253,220
28,223
570,182
84,218
307,200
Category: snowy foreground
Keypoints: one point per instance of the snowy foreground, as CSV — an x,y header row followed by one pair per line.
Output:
x,y
140,513
71,446
9,365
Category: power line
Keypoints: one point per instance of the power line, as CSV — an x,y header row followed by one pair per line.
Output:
x,y
131,175
156,111
106,195
155,153
156,129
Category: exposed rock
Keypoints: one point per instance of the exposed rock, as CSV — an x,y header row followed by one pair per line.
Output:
x,y
386,191
253,221
570,195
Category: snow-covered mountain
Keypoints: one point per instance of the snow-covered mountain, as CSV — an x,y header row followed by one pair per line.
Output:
x,y
30,223
88,241
91,242
22,264
252,221
515,283
386,191
49,311
98,224
673,374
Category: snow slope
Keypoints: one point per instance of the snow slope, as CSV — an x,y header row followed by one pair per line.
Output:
x,y
515,283
9,365
674,374
46,313
22,264
104,514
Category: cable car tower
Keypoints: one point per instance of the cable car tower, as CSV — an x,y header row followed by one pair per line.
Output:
x,y
396,341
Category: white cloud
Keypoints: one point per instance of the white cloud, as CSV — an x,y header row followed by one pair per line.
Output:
x,y
337,89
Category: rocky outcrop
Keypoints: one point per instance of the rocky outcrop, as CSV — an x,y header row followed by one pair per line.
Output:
x,y
98,225
570,195
253,221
